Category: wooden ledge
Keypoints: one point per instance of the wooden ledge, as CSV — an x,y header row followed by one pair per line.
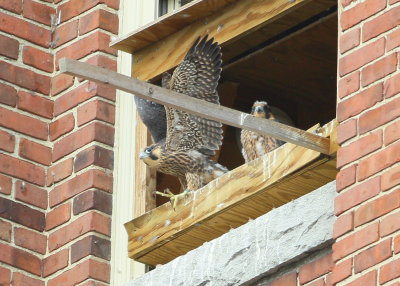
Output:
x,y
247,192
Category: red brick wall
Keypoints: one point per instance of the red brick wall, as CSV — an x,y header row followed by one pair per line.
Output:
x,y
367,231
56,138
315,273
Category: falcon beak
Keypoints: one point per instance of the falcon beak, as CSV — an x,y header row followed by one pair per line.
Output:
x,y
143,155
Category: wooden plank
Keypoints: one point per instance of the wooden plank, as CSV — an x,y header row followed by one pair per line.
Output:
x,y
292,187
145,178
246,192
168,24
233,21
195,106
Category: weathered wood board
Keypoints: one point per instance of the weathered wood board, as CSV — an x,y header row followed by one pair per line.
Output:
x,y
247,192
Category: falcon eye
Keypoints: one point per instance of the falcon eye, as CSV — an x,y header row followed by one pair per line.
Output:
x,y
147,150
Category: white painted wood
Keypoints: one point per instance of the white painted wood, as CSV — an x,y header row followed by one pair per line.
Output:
x,y
132,15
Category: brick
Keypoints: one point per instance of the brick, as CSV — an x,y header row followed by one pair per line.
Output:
x,y
30,240
349,40
20,259
59,171
106,91
96,110
94,155
90,179
389,271
35,152
31,194
377,208
355,241
5,274
21,214
111,3
88,222
393,40
74,97
64,33
359,148
103,61
367,279
7,141
20,279
97,283
74,8
91,245
55,262
381,24
5,231
285,280
392,85
390,224
319,282
373,255
35,104
25,30
21,169
5,185
87,269
13,6
379,116
25,78
93,200
345,177
61,82
8,95
359,102
98,41
343,225
99,19
93,132
349,84
396,244
379,161
360,12
342,270
379,69
361,57
58,216
390,178
315,269
38,12
9,47
61,126
38,59
356,195
391,133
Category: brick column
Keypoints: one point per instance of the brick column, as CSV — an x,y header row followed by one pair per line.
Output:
x,y
56,143
367,230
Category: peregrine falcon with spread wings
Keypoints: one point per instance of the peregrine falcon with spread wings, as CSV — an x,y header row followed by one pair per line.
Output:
x,y
191,140
256,145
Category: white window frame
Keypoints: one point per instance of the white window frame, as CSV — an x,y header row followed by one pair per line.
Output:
x,y
132,15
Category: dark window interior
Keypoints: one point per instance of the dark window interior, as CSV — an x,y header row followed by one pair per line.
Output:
x,y
294,70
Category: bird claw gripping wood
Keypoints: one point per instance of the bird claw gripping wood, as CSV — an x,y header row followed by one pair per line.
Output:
x,y
172,197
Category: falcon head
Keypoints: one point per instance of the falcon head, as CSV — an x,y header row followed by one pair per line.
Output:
x,y
151,155
261,109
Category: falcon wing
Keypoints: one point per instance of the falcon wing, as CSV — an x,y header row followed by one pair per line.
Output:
x,y
196,76
153,116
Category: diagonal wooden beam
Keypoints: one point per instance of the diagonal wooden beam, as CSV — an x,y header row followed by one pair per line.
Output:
x,y
196,106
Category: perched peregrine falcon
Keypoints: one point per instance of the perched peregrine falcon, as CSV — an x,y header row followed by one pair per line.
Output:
x,y
256,145
191,140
